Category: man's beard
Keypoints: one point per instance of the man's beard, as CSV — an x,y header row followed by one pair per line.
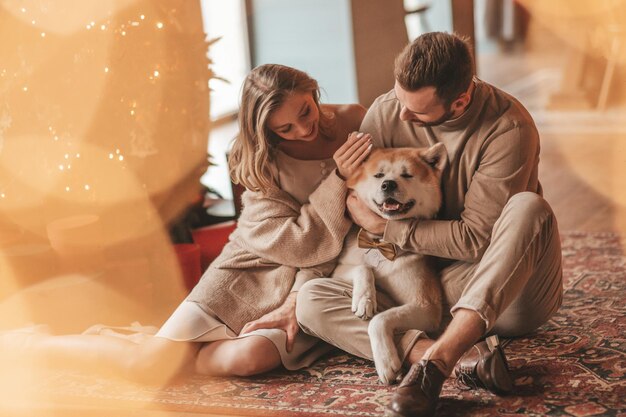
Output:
x,y
446,116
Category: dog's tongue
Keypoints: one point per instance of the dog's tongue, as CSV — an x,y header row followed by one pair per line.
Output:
x,y
391,205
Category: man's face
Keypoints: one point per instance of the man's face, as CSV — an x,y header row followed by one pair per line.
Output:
x,y
422,107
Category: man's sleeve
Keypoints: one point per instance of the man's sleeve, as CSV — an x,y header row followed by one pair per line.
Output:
x,y
374,124
506,164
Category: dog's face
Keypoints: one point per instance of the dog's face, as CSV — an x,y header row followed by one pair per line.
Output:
x,y
401,183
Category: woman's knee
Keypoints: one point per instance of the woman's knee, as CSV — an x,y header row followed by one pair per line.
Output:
x,y
247,356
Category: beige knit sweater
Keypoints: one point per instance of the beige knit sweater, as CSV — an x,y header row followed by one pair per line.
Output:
x,y
277,239
493,153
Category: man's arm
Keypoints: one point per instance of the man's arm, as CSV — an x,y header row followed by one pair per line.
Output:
x,y
507,162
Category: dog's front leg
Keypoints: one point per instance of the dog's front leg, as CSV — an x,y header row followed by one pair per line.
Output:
x,y
364,292
381,331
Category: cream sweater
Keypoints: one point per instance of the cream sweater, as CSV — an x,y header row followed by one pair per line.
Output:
x,y
277,239
493,149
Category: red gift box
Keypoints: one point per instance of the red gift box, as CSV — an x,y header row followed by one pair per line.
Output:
x,y
189,260
212,239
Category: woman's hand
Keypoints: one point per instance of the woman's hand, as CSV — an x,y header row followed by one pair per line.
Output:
x,y
364,217
284,318
350,155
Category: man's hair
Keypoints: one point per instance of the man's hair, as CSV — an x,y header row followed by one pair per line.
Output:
x,y
436,59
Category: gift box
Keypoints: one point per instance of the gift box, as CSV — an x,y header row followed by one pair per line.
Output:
x,y
212,239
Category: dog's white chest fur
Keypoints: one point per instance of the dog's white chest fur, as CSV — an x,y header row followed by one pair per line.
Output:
x,y
400,278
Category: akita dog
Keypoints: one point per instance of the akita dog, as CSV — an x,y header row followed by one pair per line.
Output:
x,y
397,184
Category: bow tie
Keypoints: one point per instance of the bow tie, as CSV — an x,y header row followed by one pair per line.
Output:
x,y
387,249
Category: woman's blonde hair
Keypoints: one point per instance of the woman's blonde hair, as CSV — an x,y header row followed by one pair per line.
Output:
x,y
264,90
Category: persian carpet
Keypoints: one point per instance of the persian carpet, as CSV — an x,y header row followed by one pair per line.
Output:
x,y
574,365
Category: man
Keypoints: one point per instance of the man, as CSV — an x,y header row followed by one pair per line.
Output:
x,y
496,239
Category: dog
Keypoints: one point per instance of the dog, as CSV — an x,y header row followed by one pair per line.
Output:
x,y
398,183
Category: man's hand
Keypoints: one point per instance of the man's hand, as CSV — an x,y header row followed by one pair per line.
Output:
x,y
284,318
364,217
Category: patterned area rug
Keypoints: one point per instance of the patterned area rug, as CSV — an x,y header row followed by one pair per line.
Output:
x,y
575,365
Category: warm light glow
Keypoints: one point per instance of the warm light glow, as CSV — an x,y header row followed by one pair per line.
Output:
x,y
100,197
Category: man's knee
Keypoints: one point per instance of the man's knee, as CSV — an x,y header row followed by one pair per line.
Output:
x,y
530,205
310,301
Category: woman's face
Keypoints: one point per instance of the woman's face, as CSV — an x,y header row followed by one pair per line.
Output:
x,y
297,118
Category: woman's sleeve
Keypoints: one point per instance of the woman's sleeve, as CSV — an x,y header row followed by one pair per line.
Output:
x,y
273,226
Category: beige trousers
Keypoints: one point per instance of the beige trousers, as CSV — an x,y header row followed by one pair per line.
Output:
x,y
516,286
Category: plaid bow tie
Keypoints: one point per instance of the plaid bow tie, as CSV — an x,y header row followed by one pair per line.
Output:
x,y
387,249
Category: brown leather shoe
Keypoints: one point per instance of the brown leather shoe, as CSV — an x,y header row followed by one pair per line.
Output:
x,y
484,366
418,393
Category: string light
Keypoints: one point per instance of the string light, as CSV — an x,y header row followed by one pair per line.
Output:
x,y
106,69
87,187
159,25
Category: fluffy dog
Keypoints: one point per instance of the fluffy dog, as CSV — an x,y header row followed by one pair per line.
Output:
x,y
397,184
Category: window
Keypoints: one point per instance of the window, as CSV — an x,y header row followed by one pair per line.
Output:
x,y
226,20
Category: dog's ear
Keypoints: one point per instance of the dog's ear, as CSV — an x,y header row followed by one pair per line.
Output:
x,y
436,156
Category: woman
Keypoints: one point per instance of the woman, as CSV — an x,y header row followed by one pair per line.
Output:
x,y
240,318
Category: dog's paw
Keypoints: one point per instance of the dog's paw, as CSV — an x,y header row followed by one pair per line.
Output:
x,y
364,305
386,359
387,372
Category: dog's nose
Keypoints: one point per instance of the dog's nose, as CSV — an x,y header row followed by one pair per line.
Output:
x,y
388,185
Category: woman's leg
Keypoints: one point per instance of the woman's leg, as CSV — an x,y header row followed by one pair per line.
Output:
x,y
154,360
238,357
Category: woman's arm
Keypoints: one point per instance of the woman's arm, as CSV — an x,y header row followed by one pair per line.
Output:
x,y
273,226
